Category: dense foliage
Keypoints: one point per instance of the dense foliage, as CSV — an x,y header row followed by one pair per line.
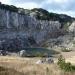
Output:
x,y
8,7
68,67
45,15
42,14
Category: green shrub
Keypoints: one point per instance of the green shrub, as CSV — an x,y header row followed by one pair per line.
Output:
x,y
68,67
61,62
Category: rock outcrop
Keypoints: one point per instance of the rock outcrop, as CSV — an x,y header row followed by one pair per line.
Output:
x,y
19,29
72,27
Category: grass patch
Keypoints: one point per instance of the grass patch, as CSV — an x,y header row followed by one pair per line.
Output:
x,y
6,71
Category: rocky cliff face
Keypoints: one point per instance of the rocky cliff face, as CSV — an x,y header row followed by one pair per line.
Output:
x,y
18,31
72,27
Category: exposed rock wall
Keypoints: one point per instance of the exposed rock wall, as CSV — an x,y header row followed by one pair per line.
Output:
x,y
72,27
26,29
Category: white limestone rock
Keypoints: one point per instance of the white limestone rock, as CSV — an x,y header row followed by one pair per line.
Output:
x,y
72,27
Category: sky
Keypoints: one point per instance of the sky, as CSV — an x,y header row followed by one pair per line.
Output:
x,y
56,6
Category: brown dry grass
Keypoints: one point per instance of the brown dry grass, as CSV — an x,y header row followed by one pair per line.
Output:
x,y
29,67
7,71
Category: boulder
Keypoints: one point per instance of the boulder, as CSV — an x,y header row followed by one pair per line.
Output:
x,y
49,60
22,53
3,53
39,62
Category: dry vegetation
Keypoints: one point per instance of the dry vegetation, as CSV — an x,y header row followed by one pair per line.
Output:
x,y
27,66
7,71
